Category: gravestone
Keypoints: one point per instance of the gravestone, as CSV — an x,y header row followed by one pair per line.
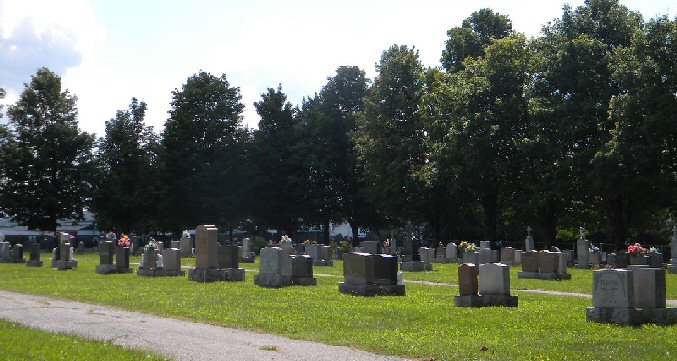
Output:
x,y
467,279
494,286
372,247
106,266
302,270
544,265
4,251
582,251
630,297
152,261
672,267
485,255
122,260
276,268
441,254
172,262
186,245
34,251
452,252
655,260
595,259
16,254
471,257
285,244
214,263
517,257
175,244
320,254
367,274
427,254
529,241
248,255
63,255
508,256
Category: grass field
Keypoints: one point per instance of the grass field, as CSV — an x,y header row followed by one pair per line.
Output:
x,y
424,323
22,343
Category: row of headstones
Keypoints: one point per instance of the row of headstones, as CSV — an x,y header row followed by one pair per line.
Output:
x,y
631,296
544,265
185,245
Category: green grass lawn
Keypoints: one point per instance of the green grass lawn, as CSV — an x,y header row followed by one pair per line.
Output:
x,y
424,323
23,343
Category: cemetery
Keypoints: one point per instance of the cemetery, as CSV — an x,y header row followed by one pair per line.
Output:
x,y
515,198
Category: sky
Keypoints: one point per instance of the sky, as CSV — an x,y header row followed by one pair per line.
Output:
x,y
110,51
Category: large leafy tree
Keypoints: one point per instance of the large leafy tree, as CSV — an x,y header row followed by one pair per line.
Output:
x,y
48,162
475,34
389,139
328,121
569,105
202,153
277,161
126,194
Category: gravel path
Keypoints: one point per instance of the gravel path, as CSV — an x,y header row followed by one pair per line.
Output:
x,y
180,340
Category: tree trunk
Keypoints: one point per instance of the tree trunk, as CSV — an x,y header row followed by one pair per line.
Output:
x,y
548,217
489,206
325,234
618,215
356,233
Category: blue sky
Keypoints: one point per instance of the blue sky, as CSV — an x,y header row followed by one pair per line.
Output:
x,y
109,51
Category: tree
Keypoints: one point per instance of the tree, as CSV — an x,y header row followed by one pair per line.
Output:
x,y
202,140
277,159
389,138
475,34
49,160
126,195
328,122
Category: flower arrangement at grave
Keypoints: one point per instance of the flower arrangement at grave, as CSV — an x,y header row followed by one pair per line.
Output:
x,y
185,234
594,248
654,250
124,241
636,249
308,241
285,239
466,246
386,243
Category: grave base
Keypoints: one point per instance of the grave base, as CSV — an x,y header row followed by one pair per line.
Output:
x,y
106,269
581,266
485,301
415,266
158,272
321,262
371,290
64,265
272,280
632,316
304,281
213,274
34,264
544,276
672,268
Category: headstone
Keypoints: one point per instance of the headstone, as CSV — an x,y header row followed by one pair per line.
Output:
x,y
613,288
186,245
595,259
122,260
547,262
248,255
172,262
561,263
485,255
672,267
452,251
427,254
655,260
275,269
206,246
467,279
630,297
302,270
175,244
106,252
518,257
63,254
530,261
494,279
5,251
508,255
529,241
372,247
320,254
81,248
34,261
368,274
17,253
228,256
649,287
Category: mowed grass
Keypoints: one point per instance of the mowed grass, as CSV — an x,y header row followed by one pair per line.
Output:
x,y
23,343
424,323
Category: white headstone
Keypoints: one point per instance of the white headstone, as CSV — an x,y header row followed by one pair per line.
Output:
x,y
494,279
